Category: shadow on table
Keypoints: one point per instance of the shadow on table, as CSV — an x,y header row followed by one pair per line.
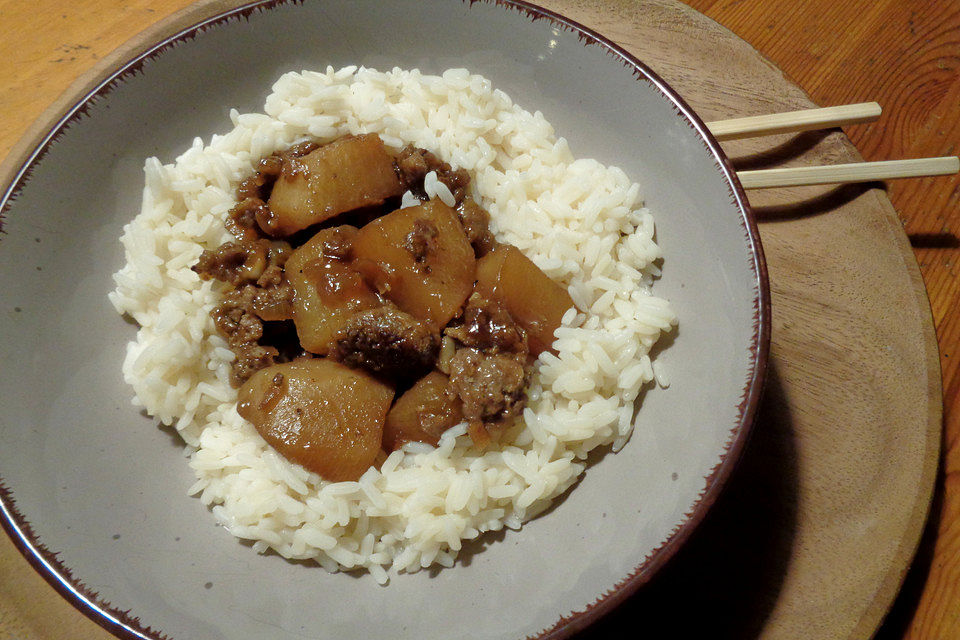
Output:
x,y
828,200
768,158
724,581
933,240
791,203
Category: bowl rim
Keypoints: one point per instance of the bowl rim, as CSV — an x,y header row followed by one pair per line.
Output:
x,y
113,70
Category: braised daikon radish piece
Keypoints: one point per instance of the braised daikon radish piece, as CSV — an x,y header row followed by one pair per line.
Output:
x,y
532,299
327,289
423,413
319,414
344,175
419,258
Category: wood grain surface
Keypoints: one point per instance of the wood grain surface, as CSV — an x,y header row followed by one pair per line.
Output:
x,y
903,54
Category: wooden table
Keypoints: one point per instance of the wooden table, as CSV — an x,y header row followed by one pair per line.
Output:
x,y
901,53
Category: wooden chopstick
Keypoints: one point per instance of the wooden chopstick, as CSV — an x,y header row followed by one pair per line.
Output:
x,y
793,121
854,172
825,118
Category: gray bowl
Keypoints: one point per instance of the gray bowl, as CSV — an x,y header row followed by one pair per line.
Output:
x,y
94,494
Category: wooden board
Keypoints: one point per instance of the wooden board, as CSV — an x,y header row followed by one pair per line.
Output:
x,y
818,527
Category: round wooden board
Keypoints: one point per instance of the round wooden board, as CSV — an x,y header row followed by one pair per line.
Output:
x,y
818,527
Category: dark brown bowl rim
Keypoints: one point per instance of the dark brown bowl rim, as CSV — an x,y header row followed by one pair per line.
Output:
x,y
123,624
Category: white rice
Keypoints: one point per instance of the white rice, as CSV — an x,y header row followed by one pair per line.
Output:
x,y
579,221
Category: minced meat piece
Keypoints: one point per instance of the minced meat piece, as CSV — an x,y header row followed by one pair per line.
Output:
x,y
273,296
269,169
491,386
413,164
476,223
289,160
420,241
489,370
242,219
251,357
256,186
300,150
272,166
234,262
487,326
242,262
260,292
412,167
388,342
236,321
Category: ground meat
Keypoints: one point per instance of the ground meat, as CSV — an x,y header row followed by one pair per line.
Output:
x,y
420,242
269,222
242,219
273,165
476,222
234,262
259,185
256,187
387,342
487,326
413,164
260,292
272,276
273,295
491,386
238,263
251,357
489,369
273,301
234,317
236,321
269,169
277,256
301,149
249,188
290,159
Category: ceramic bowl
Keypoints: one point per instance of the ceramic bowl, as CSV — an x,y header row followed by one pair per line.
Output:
x,y
95,494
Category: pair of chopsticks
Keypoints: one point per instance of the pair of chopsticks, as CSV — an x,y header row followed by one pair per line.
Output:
x,y
826,118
